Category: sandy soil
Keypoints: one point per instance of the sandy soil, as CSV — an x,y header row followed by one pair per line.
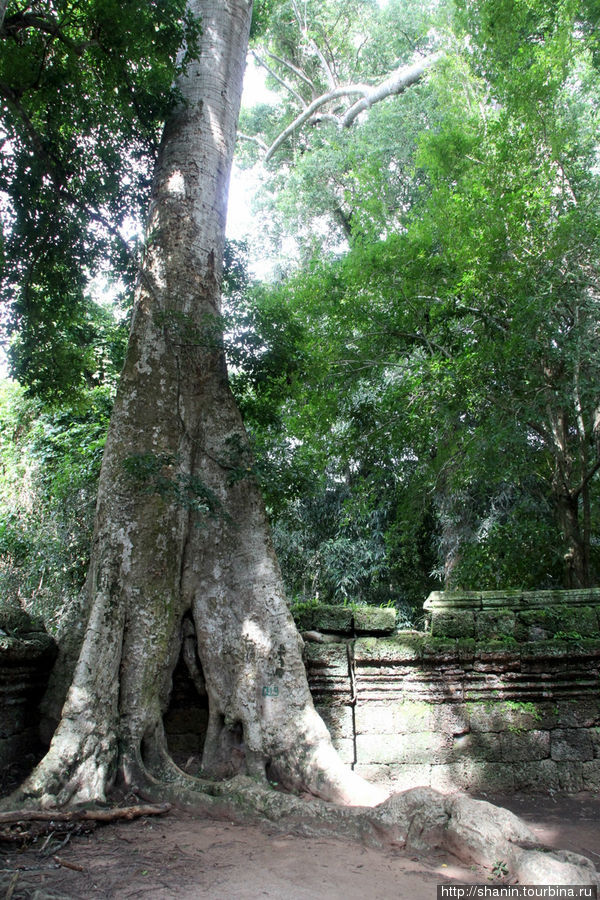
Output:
x,y
182,856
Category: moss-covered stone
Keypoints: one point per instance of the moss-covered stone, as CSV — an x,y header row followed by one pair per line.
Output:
x,y
374,620
495,624
491,600
563,622
332,619
332,658
403,647
453,624
345,620
509,715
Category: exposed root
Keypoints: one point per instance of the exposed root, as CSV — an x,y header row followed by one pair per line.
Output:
x,y
418,820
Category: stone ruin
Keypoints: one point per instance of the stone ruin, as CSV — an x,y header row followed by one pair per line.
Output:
x,y
27,654
501,692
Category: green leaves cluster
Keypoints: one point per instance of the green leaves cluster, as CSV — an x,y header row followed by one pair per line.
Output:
x,y
50,465
442,382
85,86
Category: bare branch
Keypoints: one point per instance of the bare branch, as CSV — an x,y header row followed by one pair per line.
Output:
x,y
281,81
252,139
298,72
83,815
402,78
360,89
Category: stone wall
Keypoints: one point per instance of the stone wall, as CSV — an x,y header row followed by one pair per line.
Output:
x,y
26,657
503,693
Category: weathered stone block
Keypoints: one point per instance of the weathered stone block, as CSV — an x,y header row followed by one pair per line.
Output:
x,y
455,624
450,718
395,717
541,775
505,716
497,656
332,658
590,773
338,720
546,623
404,647
440,600
494,624
477,745
418,748
570,776
374,620
578,713
336,619
571,744
346,620
501,599
525,746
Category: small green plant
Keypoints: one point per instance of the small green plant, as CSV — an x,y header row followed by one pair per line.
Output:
x,y
499,869
568,636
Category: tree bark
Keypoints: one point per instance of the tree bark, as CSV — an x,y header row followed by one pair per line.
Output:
x,y
180,525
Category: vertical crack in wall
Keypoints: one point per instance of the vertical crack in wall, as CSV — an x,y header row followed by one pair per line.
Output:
x,y
353,694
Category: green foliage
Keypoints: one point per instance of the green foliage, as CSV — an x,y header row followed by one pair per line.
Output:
x,y
50,466
85,85
436,402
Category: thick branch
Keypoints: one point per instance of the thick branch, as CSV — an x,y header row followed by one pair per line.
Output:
x,y
44,23
360,89
402,78
82,815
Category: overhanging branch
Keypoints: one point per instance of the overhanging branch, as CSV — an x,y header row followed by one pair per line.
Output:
x,y
401,79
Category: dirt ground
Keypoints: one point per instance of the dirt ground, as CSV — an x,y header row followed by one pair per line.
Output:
x,y
183,856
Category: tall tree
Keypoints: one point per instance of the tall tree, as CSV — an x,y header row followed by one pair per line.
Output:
x,y
181,540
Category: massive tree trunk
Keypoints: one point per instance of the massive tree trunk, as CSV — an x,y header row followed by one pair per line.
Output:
x,y
181,532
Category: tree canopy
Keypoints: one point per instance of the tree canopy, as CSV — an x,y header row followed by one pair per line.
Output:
x,y
421,383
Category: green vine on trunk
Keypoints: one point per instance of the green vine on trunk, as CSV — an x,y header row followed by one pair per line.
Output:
x,y
152,473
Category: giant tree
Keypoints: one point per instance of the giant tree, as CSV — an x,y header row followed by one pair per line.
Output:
x,y
181,544
181,540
